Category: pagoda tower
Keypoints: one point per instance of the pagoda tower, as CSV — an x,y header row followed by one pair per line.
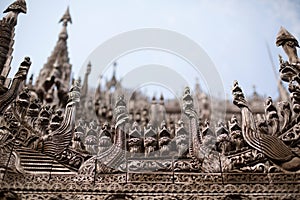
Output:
x,y
56,72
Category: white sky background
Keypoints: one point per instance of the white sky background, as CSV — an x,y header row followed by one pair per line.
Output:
x,y
233,33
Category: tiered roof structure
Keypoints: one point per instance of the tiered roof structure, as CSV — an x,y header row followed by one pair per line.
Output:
x,y
56,73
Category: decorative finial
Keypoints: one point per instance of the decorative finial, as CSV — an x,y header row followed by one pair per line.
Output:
x,y
238,95
153,99
114,68
283,36
161,99
289,44
66,17
163,124
18,6
254,91
197,86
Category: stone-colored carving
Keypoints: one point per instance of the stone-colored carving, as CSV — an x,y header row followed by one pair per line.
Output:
x,y
57,70
150,141
135,140
164,140
52,148
271,117
289,44
182,139
269,145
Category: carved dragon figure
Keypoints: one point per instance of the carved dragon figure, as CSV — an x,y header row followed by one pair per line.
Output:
x,y
60,138
270,145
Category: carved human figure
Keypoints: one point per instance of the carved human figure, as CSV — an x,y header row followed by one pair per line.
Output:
x,y
164,140
105,138
150,141
134,140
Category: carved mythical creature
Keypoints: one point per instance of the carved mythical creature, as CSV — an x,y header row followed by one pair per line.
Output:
x,y
270,145
13,10
289,44
60,138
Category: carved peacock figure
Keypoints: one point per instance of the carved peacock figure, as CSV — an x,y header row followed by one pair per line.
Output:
x,y
270,145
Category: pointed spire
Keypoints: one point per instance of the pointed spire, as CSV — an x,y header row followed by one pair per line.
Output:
x,y
89,68
98,89
153,99
197,86
30,82
120,101
114,68
59,55
84,89
255,94
162,99
66,17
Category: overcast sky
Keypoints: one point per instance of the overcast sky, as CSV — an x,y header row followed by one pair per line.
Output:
x,y
233,33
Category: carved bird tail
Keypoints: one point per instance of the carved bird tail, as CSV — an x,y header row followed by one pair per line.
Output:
x,y
269,145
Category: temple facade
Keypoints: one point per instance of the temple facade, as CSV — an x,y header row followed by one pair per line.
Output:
x,y
61,139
